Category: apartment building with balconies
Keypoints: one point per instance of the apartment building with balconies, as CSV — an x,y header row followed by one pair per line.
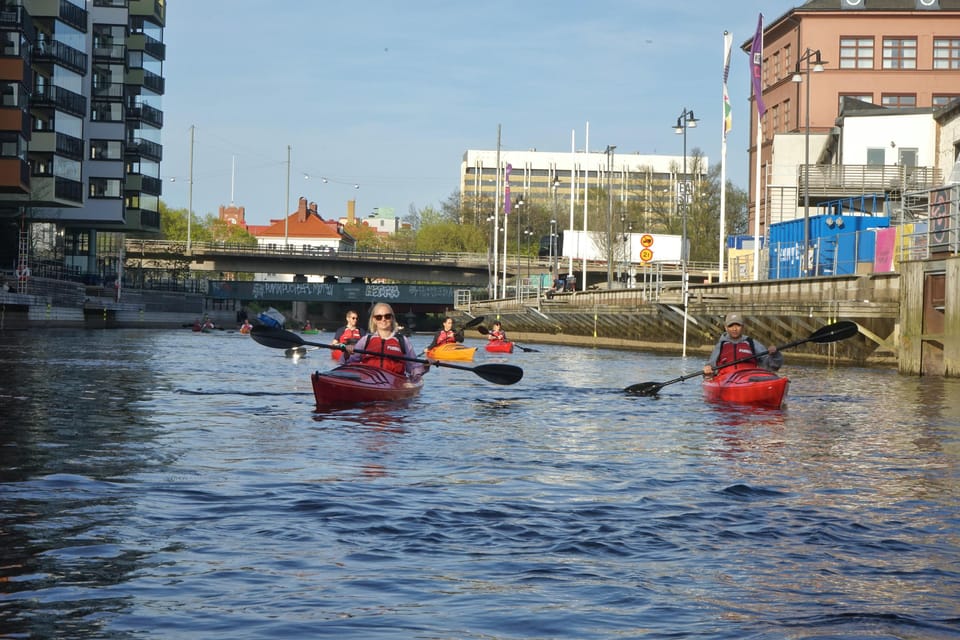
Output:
x,y
80,121
872,70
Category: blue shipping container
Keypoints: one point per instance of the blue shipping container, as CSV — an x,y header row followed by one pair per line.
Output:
x,y
837,244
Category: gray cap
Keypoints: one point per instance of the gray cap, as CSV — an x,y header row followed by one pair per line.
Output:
x,y
732,318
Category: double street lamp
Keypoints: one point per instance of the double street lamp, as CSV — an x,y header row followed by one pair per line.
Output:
x,y
811,58
685,121
554,248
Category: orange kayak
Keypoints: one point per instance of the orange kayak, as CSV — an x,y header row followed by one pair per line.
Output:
x,y
451,351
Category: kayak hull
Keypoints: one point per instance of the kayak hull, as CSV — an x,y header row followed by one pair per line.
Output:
x,y
757,387
499,346
452,351
357,383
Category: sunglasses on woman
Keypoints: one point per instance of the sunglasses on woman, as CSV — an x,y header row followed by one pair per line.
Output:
x,y
383,316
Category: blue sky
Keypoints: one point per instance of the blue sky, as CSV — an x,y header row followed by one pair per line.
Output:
x,y
388,95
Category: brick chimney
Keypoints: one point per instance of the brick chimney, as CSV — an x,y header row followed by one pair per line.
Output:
x,y
351,211
302,210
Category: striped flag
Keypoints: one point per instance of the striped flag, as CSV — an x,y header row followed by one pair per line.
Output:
x,y
727,109
506,191
756,66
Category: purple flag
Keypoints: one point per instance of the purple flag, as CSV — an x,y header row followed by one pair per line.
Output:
x,y
756,66
506,190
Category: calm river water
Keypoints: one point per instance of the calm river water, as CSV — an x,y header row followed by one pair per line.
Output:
x,y
180,485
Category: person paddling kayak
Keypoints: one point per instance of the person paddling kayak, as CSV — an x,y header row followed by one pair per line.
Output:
x,y
733,345
382,342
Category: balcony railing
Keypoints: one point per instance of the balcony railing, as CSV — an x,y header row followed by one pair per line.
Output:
x,y
146,114
146,148
858,179
61,98
55,51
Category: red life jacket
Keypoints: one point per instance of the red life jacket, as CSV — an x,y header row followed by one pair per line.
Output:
x,y
349,334
730,351
391,345
445,337
498,335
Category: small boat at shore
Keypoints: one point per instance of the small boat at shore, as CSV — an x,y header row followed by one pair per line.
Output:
x,y
359,383
499,346
452,351
757,387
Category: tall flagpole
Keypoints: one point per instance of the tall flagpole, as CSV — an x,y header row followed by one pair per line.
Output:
x,y
725,129
756,71
496,218
586,198
574,175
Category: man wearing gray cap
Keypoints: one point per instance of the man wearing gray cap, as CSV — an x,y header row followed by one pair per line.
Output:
x,y
733,345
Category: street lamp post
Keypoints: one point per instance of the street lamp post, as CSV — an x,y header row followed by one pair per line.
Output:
x,y
609,152
811,58
685,121
519,204
554,249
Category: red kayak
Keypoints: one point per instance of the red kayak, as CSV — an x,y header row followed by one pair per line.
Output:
x,y
757,387
499,346
356,383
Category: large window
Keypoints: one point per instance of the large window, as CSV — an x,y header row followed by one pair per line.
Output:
x,y
876,156
946,53
856,53
863,97
899,53
940,99
899,100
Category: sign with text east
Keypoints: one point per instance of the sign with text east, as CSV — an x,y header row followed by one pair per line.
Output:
x,y
332,292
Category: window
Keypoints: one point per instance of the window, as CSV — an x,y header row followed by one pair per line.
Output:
x,y
898,100
946,53
105,188
856,53
106,150
940,99
863,97
899,53
876,156
776,66
908,157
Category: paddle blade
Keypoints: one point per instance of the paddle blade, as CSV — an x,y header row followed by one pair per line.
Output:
x,y
275,338
482,330
644,389
499,373
525,349
834,332
474,322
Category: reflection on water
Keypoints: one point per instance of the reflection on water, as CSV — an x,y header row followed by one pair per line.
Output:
x,y
181,485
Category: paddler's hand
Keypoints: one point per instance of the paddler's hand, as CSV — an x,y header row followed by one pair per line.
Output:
x,y
707,371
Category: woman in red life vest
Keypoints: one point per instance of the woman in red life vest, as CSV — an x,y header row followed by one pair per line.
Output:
x,y
497,332
383,342
348,334
446,335
733,345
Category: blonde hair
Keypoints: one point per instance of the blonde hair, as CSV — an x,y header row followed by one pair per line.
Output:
x,y
385,308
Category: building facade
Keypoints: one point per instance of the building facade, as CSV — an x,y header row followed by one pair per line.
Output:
x,y
899,54
80,121
564,180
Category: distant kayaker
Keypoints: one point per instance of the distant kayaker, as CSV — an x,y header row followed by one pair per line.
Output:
x,y
307,326
733,345
446,335
348,333
384,341
496,332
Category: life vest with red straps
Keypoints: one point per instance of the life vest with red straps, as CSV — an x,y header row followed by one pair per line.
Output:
x,y
446,337
498,334
731,351
377,345
348,334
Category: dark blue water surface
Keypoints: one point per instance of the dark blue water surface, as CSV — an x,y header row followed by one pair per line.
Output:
x,y
181,485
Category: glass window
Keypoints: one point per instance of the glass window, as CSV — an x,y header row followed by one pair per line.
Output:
x,y
946,53
898,100
106,150
940,99
899,53
876,156
856,53
863,97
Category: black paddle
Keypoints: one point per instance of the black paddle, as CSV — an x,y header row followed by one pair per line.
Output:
x,y
484,331
280,339
830,333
